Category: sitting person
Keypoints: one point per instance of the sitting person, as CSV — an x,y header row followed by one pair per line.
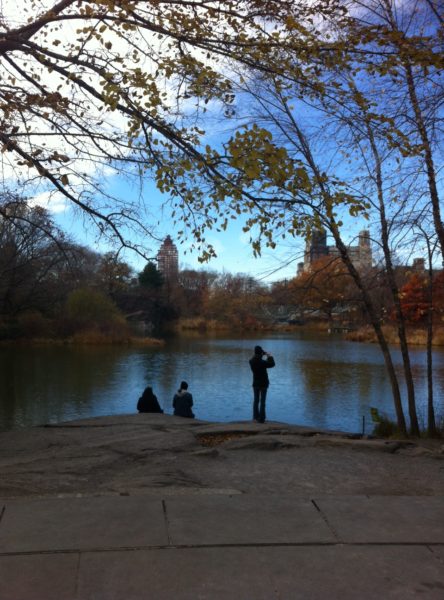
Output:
x,y
148,402
183,401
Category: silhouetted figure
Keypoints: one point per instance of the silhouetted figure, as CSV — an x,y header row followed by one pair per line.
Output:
x,y
183,401
148,402
259,366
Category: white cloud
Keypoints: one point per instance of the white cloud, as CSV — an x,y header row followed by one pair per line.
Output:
x,y
54,202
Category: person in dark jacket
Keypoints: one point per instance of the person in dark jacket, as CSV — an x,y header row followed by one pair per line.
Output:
x,y
148,402
259,364
183,401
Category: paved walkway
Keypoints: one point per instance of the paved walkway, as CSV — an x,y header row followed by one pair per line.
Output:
x,y
222,547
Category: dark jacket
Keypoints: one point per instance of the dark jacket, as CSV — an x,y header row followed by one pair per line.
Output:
x,y
148,402
259,367
182,403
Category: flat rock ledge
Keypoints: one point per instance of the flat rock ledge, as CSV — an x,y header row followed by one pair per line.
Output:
x,y
146,453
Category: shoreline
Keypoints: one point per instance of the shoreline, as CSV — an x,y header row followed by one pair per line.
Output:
x,y
131,341
364,334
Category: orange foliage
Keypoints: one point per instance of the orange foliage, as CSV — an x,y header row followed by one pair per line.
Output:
x,y
415,297
414,300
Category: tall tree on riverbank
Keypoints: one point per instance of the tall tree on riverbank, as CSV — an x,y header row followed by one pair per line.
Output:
x,y
32,250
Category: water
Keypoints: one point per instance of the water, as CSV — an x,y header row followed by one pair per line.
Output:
x,y
320,381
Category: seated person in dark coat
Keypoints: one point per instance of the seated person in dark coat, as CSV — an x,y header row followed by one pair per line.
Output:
x,y
183,401
148,402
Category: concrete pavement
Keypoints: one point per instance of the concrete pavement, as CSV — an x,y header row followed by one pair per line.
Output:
x,y
221,546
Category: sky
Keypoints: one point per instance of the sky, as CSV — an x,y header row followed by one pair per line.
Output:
x,y
234,253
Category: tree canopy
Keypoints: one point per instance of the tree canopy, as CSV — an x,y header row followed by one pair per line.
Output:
x,y
91,87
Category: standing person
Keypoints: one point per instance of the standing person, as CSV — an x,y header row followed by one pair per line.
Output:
x,y
148,402
259,364
183,401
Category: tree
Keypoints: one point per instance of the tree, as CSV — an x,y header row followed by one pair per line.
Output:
x,y
32,251
414,299
326,288
192,292
76,98
113,274
311,188
236,299
92,87
151,277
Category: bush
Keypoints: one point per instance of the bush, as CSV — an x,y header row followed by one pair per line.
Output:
x,y
88,306
383,427
90,317
35,325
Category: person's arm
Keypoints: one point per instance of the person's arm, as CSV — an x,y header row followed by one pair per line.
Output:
x,y
270,362
191,400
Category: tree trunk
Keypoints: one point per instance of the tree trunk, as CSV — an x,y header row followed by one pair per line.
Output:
x,y
402,335
428,158
431,422
374,320
328,218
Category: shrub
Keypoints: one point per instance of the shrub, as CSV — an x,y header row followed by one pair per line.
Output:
x,y
383,427
93,314
88,306
35,325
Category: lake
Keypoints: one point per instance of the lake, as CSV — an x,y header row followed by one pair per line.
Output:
x,y
319,380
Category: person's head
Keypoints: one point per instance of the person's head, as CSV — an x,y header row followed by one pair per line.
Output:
x,y
183,385
148,390
258,351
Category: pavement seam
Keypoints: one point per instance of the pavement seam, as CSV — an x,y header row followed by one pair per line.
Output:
x,y
438,557
165,516
77,578
329,525
2,512
216,546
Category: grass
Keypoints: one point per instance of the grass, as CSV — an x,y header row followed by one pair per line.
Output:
x,y
415,336
89,338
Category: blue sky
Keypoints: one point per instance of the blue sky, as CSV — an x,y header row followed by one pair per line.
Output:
x,y
234,253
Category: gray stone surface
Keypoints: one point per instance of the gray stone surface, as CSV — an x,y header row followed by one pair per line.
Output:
x,y
385,519
265,573
245,519
144,507
142,454
82,523
438,552
39,577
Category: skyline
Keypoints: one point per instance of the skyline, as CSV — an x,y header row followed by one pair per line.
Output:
x,y
234,254
253,136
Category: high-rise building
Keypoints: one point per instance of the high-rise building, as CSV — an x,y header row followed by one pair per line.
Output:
x,y
316,248
168,260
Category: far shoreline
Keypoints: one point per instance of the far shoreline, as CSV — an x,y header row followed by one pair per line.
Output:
x,y
204,328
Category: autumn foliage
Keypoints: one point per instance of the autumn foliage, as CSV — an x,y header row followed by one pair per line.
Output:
x,y
416,298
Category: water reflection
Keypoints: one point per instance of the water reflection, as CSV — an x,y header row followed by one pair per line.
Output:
x,y
319,381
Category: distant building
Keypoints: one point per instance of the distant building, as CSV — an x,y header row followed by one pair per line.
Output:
x,y
316,248
168,260
418,265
